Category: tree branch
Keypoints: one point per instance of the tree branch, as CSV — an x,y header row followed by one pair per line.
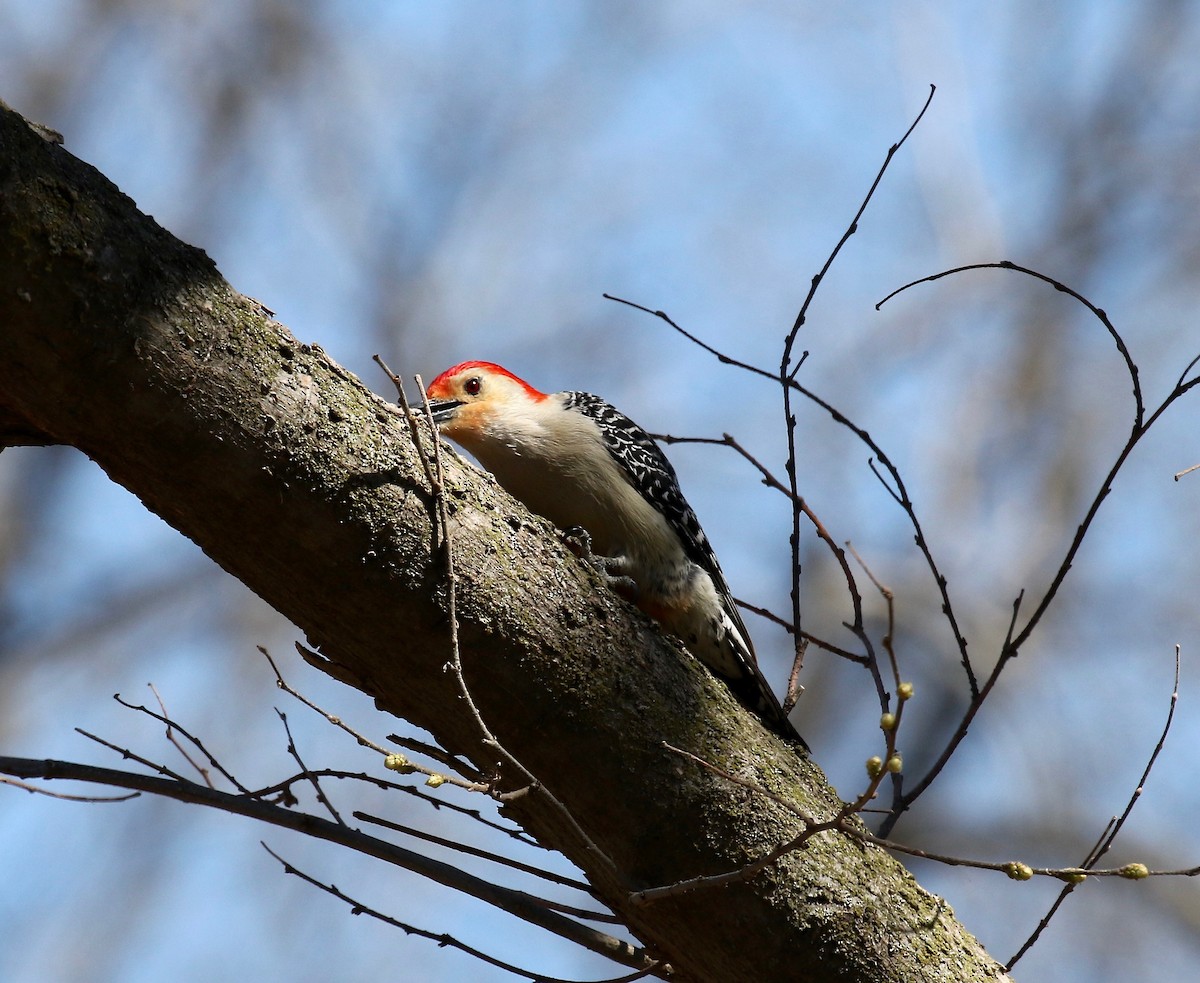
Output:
x,y
523,905
122,341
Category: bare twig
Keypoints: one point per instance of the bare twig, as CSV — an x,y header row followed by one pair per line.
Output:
x,y
899,491
129,755
1115,829
889,721
1111,831
495,858
889,599
438,803
37,790
441,938
304,770
173,726
896,488
786,378
810,827
411,419
337,721
720,356
850,230
1183,382
1101,316
845,822
787,626
365,741
451,761
800,505
788,372
516,903
1017,637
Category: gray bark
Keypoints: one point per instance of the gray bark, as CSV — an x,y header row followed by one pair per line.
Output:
x,y
120,340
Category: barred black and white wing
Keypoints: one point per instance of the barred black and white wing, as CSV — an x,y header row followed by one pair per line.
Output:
x,y
647,469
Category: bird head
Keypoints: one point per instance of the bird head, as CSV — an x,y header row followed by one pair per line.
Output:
x,y
467,396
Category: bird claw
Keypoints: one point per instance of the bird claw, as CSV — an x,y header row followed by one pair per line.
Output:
x,y
579,541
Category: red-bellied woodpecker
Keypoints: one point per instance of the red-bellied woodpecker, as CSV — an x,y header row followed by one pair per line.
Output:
x,y
576,460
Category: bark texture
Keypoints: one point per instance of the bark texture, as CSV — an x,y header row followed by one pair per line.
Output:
x,y
122,341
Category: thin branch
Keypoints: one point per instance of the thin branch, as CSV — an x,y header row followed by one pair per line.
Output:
x,y
37,790
471,851
283,787
1182,382
901,805
436,477
171,726
845,823
786,378
719,355
513,902
899,491
1115,830
788,373
1101,316
799,503
304,770
441,938
850,230
1139,430
1111,831
451,761
129,755
810,827
438,803
1016,639
889,721
337,721
1013,644
513,832
787,626
411,419
407,767
889,599
358,908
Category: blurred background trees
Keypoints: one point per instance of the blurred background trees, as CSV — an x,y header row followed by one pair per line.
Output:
x,y
464,180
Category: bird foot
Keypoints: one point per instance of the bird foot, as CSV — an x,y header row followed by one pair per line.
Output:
x,y
579,542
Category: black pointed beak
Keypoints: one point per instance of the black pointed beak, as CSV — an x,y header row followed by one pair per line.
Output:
x,y
443,410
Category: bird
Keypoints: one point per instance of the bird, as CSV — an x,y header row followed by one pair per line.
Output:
x,y
576,460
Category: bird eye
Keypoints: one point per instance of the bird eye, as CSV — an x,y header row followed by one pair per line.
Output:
x,y
472,386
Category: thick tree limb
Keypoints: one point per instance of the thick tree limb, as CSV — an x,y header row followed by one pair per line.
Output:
x,y
122,341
